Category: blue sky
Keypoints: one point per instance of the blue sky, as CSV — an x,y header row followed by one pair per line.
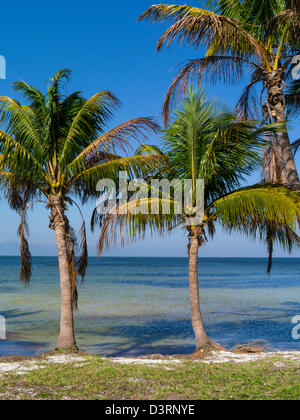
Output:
x,y
107,50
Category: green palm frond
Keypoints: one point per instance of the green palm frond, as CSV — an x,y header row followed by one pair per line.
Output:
x,y
53,147
249,207
91,118
207,143
252,14
204,143
286,22
117,138
19,124
134,166
13,152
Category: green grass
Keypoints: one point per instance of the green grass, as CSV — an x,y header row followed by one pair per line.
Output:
x,y
102,379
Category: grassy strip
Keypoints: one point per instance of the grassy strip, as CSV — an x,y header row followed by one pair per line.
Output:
x,y
102,379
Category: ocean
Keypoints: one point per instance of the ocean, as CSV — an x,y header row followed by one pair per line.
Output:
x,y
140,306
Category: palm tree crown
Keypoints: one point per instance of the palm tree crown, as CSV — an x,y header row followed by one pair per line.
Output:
x,y
260,37
204,143
55,149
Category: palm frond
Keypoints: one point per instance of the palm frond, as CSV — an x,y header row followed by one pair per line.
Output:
x,y
15,151
261,204
82,262
71,242
19,125
196,27
289,21
248,107
91,118
296,146
126,223
292,97
26,259
117,138
214,68
133,165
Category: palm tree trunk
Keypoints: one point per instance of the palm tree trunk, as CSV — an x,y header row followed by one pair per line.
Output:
x,y
277,103
66,338
202,339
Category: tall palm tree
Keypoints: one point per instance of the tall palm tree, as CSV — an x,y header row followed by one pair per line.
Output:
x,y
238,36
203,143
56,149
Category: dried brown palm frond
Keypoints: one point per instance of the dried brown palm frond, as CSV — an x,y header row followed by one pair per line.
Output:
x,y
248,107
23,232
296,146
82,262
71,242
125,222
213,68
197,26
292,98
288,19
26,258
253,347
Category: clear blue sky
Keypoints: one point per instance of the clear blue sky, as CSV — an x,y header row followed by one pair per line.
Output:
x,y
106,49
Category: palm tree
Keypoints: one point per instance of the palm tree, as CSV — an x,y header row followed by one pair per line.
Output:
x,y
238,36
203,143
55,149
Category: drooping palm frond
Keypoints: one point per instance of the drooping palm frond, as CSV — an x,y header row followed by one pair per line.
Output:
x,y
82,261
248,106
23,232
292,97
196,26
296,146
244,209
131,221
202,143
213,68
282,235
287,22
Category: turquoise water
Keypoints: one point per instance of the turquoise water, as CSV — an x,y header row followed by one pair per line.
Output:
x,y
134,306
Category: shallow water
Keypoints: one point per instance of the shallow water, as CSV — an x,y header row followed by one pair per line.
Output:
x,y
134,306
